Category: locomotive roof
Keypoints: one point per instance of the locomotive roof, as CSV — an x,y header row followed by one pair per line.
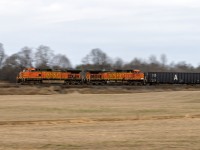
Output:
x,y
96,71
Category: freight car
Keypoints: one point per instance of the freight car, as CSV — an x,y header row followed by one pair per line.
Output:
x,y
172,78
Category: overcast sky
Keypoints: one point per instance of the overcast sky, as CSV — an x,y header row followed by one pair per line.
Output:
x,y
121,28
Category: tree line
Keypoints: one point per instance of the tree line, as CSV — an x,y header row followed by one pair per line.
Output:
x,y
44,57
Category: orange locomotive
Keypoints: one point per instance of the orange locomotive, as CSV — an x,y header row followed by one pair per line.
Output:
x,y
129,77
33,75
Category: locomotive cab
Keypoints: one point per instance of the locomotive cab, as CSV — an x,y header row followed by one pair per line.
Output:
x,y
25,74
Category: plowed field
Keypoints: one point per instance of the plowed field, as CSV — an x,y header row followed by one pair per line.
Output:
x,y
149,120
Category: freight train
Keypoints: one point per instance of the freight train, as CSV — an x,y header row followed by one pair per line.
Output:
x,y
99,77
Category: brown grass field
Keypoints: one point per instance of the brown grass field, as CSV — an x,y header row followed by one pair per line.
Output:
x,y
145,120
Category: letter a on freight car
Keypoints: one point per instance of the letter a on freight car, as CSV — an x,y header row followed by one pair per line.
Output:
x,y
176,77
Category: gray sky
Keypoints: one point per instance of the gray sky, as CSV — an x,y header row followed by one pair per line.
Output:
x,y
121,28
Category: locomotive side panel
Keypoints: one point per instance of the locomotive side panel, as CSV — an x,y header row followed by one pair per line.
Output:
x,y
131,77
73,77
29,75
112,76
51,75
94,78
123,75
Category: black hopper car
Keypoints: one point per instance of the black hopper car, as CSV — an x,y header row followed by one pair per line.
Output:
x,y
154,78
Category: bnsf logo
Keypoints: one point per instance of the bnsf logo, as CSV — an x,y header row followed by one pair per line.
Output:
x,y
52,75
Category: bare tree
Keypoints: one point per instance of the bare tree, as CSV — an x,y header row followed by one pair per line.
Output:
x,y
86,59
26,57
163,59
118,64
12,66
60,62
97,59
14,61
43,56
183,67
2,55
153,59
136,63
154,64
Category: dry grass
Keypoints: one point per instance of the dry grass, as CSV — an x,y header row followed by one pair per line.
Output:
x,y
153,120
50,89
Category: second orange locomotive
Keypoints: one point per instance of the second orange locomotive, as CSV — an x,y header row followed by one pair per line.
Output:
x,y
131,77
